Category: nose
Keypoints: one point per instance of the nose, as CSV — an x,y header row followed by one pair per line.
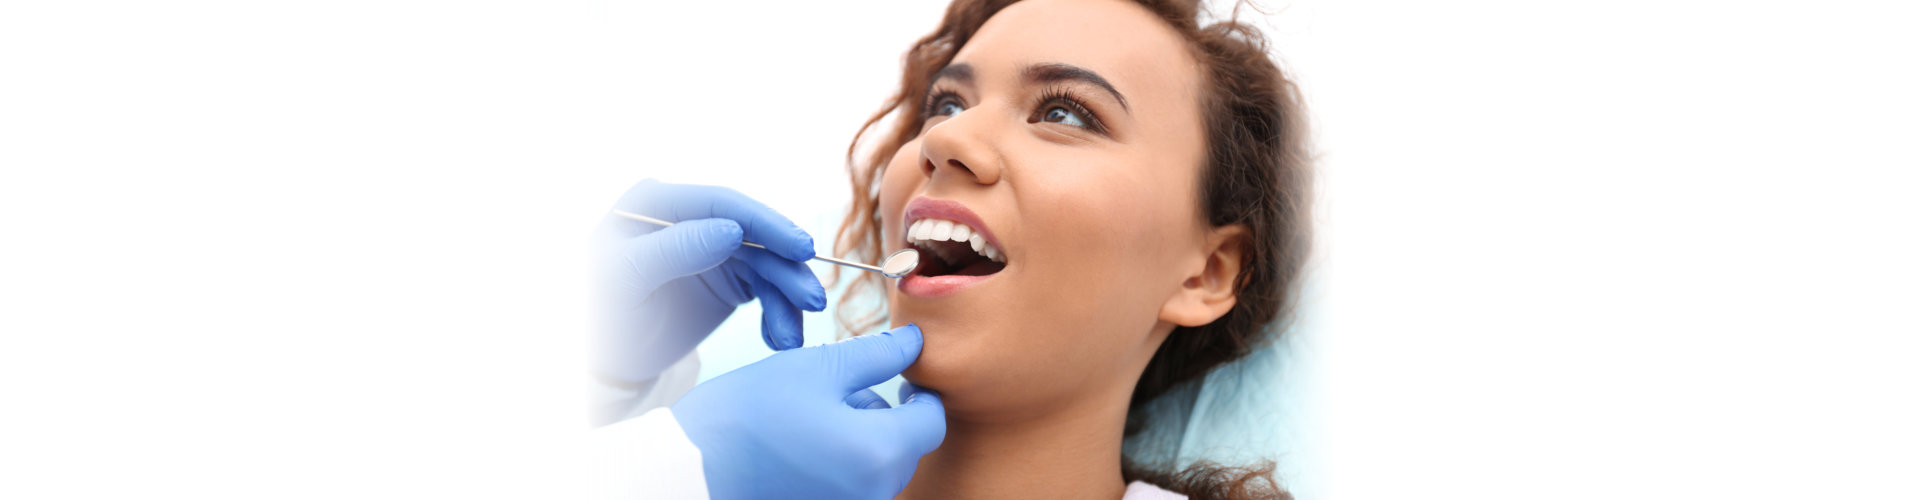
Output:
x,y
960,146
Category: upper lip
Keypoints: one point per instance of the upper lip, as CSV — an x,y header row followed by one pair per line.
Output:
x,y
930,208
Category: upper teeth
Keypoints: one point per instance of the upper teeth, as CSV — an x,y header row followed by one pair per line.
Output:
x,y
930,230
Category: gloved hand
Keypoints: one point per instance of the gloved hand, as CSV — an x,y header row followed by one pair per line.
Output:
x,y
806,424
663,290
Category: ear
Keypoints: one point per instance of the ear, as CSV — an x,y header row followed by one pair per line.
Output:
x,y
1208,293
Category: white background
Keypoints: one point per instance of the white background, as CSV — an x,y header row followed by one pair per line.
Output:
x,y
318,249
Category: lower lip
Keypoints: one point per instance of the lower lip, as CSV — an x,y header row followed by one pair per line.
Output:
x,y
928,287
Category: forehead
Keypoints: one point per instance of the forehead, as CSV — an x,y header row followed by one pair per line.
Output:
x,y
1143,57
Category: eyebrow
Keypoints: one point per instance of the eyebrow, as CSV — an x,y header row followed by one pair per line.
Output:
x,y
1062,72
1037,73
962,73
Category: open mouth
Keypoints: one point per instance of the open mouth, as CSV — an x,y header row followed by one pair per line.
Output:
x,y
950,248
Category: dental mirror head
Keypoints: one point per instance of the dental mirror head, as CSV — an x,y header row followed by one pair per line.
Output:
x,y
900,263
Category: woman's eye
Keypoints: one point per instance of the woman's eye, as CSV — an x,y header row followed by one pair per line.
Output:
x,y
1060,114
947,108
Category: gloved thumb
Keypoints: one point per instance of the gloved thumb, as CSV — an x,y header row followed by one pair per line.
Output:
x,y
684,249
867,360
921,418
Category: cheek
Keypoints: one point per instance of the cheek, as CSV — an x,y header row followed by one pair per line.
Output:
x,y
1108,251
1102,259
1113,231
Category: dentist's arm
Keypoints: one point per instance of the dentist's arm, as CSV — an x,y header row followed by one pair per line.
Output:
x,y
802,422
661,291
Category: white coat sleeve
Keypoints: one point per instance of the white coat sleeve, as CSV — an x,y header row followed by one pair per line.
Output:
x,y
643,453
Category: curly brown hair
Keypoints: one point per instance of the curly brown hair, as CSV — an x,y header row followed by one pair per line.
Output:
x,y
1257,174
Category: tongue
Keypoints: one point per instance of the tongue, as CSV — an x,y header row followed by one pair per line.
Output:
x,y
980,267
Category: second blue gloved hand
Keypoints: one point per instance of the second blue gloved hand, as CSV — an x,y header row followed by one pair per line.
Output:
x,y
663,290
805,424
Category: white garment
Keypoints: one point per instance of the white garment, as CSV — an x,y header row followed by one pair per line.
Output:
x,y
645,454
1140,490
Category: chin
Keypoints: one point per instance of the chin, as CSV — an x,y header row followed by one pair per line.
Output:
x,y
971,358
952,362
939,366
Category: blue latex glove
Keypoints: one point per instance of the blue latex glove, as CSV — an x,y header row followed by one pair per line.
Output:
x,y
663,290
805,423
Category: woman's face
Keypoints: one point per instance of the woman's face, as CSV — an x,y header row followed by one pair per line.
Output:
x,y
1070,133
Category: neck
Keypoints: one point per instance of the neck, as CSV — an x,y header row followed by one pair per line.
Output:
x,y
1067,452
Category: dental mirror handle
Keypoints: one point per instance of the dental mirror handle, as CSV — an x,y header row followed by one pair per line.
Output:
x,y
856,265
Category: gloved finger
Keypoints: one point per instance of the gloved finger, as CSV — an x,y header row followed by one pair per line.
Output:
x,y
685,249
680,202
779,319
867,360
906,390
866,399
794,279
921,419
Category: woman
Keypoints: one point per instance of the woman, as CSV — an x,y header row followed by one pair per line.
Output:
x,y
1110,200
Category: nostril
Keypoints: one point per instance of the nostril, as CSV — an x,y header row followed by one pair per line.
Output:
x,y
961,166
927,166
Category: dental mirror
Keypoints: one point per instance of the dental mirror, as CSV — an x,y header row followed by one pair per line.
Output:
x,y
900,263
895,265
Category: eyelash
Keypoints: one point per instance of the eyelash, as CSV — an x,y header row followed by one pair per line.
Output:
x,y
939,96
1066,98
